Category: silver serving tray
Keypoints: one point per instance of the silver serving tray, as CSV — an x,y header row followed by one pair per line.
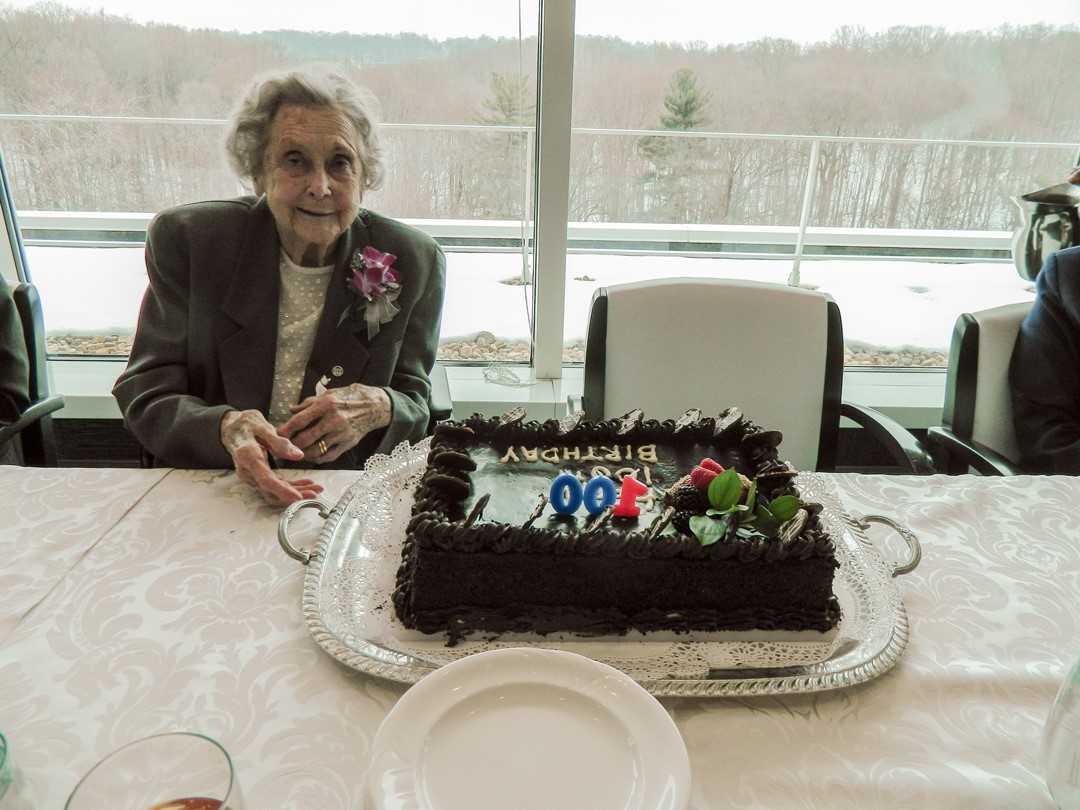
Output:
x,y
874,630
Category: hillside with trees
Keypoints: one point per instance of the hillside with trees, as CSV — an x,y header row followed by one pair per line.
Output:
x,y
911,83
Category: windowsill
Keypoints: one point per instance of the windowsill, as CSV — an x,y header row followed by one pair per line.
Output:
x,y
911,396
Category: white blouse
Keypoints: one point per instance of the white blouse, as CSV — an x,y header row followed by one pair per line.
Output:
x,y
303,295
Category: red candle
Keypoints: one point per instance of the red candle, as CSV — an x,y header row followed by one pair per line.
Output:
x,y
627,506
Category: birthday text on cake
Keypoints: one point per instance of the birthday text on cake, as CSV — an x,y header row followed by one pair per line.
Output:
x,y
644,455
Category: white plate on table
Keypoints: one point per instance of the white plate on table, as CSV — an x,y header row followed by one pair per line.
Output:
x,y
528,729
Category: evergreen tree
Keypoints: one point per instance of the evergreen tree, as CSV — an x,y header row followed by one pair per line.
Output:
x,y
675,163
685,102
511,101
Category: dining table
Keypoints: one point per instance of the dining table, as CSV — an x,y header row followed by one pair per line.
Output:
x,y
142,601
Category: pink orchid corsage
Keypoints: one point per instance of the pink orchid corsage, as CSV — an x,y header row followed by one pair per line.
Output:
x,y
375,283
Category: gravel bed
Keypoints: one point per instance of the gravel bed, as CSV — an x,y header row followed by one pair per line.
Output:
x,y
486,347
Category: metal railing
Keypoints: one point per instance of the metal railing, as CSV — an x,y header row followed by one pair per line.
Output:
x,y
637,133
90,229
43,227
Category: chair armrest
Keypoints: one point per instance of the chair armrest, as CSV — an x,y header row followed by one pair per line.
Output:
x,y
970,454
39,409
441,405
904,448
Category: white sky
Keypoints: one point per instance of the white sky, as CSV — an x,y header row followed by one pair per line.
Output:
x,y
710,21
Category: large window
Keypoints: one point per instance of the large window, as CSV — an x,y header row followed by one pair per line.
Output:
x,y
106,113
865,150
870,152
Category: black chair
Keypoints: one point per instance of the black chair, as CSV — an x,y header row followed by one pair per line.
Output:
x,y
777,352
977,430
33,428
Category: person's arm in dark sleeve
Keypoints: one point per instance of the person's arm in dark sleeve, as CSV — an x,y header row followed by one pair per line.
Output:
x,y
410,386
177,427
1045,372
14,365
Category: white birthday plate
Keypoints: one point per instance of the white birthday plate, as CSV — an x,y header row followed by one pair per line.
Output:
x,y
529,729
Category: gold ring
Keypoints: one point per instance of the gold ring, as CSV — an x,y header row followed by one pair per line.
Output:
x,y
322,447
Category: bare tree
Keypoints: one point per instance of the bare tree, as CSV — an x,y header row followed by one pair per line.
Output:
x,y
908,82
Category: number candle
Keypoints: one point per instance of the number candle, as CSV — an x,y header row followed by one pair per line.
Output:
x,y
627,506
566,494
599,494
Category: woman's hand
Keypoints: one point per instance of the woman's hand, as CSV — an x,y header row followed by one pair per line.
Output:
x,y
250,439
327,425
1075,176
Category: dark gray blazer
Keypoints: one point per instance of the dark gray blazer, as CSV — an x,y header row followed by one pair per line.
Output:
x,y
207,332
1045,370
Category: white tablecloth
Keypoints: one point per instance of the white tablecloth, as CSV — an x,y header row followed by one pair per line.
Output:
x,y
162,601
49,519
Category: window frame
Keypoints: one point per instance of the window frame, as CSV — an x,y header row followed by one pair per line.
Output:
x,y
551,167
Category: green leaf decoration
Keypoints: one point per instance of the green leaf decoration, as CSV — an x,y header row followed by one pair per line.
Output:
x,y
738,508
747,533
724,490
708,530
784,507
766,520
751,494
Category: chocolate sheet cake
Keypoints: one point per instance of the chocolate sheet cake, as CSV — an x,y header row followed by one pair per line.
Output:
x,y
722,541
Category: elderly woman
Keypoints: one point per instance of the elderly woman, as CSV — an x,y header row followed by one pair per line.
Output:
x,y
291,325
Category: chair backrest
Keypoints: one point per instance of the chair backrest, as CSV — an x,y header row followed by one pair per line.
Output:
x,y
37,438
28,303
978,400
775,352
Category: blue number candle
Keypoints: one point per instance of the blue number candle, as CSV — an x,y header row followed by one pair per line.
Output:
x,y
566,494
599,494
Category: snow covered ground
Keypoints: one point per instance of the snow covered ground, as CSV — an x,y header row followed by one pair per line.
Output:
x,y
883,303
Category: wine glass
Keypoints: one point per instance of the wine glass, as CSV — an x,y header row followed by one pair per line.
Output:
x,y
1061,743
174,771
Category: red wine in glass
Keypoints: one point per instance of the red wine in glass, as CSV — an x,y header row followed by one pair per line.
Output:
x,y
183,766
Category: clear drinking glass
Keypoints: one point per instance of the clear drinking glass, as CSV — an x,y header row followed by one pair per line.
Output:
x,y
7,775
175,771
1061,743
15,792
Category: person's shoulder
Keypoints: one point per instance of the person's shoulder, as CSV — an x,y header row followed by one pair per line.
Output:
x,y
1067,261
1058,282
392,236
205,216
1062,267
